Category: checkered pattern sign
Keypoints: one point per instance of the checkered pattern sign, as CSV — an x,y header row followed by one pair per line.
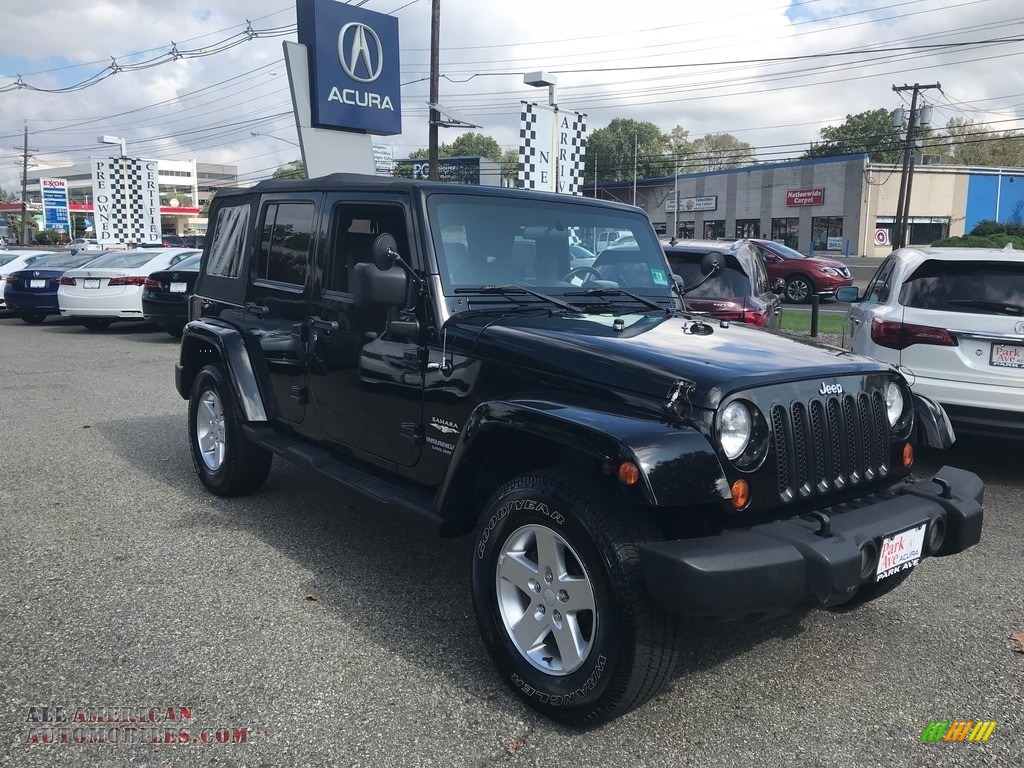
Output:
x,y
572,134
126,200
537,143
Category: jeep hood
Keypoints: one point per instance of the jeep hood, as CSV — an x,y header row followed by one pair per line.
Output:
x,y
653,351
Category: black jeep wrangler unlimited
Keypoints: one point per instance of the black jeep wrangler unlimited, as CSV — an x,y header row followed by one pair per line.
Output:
x,y
621,463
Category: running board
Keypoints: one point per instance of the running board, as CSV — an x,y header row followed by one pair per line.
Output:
x,y
406,499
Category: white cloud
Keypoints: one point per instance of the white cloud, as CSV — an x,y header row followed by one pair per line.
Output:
x,y
779,108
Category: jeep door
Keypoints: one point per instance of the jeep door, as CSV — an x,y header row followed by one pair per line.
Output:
x,y
365,377
277,300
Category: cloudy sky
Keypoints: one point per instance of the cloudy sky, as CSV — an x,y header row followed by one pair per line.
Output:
x,y
770,72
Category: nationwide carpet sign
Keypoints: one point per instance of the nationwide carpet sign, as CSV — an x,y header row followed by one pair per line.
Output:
x,y
353,66
126,200
55,204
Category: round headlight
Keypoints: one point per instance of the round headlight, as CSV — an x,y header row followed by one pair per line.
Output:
x,y
735,428
893,403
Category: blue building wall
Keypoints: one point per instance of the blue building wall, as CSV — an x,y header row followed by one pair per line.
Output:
x,y
987,192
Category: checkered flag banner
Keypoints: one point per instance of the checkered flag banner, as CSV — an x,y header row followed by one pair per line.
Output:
x,y
126,200
572,132
534,147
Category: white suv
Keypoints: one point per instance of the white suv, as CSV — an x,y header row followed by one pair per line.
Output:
x,y
952,320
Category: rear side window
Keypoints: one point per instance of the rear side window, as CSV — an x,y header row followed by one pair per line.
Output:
x,y
729,283
284,246
995,287
228,241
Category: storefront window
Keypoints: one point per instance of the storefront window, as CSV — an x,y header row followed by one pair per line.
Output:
x,y
826,231
713,230
787,232
747,228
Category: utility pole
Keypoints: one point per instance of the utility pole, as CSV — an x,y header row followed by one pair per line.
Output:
x,y
906,179
435,66
24,190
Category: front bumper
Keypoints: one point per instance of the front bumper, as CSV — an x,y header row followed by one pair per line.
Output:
x,y
775,567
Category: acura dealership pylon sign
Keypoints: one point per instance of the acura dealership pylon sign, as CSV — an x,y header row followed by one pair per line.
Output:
x,y
353,66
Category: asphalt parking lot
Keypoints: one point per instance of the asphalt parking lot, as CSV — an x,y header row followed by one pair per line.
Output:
x,y
305,623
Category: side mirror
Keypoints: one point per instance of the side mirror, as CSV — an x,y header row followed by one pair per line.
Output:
x,y
848,293
712,263
779,286
385,251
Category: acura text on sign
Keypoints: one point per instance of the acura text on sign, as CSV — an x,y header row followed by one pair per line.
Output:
x,y
354,66
814,196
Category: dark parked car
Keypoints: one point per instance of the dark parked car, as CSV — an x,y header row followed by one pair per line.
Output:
x,y
741,291
618,462
193,241
165,294
804,276
32,293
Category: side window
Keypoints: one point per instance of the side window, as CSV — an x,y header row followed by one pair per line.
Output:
x,y
285,239
878,289
354,227
228,241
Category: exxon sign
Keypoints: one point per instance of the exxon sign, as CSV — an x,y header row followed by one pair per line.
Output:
x,y
354,67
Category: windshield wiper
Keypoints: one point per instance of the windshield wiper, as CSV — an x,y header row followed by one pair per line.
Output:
x,y
617,292
504,290
996,306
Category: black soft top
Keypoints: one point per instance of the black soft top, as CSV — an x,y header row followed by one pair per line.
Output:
x,y
341,182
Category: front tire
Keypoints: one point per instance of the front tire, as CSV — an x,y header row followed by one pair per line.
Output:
x,y
561,601
226,462
34,318
97,324
799,289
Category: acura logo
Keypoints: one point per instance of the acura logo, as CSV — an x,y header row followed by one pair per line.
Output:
x,y
1019,327
360,52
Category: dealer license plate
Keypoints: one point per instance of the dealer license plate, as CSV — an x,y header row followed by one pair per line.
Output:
x,y
36,283
1007,356
91,282
900,552
179,287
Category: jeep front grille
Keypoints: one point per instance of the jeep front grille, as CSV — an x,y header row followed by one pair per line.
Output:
x,y
830,443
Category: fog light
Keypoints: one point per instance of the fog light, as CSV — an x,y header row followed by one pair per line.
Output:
x,y
868,559
908,455
629,473
936,535
740,494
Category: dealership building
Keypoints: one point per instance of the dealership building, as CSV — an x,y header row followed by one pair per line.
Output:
x,y
845,206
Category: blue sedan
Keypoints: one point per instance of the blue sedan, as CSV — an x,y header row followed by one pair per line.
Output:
x,y
32,293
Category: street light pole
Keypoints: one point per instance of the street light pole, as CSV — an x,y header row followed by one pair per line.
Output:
x,y
539,80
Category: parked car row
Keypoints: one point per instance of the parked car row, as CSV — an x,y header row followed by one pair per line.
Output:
x,y
99,289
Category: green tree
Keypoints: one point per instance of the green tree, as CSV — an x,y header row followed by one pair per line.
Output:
x,y
7,197
964,142
871,132
718,151
472,145
680,149
510,167
613,150
293,170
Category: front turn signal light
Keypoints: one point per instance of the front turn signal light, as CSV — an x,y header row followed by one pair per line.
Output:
x,y
908,455
629,473
740,494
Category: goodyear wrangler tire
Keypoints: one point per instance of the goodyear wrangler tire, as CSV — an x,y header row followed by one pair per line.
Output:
x,y
226,462
561,601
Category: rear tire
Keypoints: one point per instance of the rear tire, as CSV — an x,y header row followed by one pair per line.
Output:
x,y
177,331
226,462
561,601
97,324
34,318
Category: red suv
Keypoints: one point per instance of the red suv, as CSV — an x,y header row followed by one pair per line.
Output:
x,y
804,276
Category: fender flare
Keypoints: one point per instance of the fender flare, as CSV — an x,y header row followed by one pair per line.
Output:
x,y
678,465
199,339
934,429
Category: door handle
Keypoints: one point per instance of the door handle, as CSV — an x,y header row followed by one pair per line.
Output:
x,y
322,325
856,321
257,309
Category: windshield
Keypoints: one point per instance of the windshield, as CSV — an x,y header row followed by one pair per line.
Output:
x,y
786,251
5,259
189,263
492,241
